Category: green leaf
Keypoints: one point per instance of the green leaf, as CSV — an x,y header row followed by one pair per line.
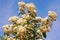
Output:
x,y
44,34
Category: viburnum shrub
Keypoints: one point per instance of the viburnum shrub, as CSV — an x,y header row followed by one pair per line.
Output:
x,y
28,26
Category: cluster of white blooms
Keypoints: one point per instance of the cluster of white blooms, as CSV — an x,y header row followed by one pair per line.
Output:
x,y
21,30
52,14
21,21
21,6
13,19
28,26
7,29
26,16
30,7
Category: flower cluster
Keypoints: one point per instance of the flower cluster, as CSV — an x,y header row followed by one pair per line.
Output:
x,y
13,19
28,26
21,7
52,14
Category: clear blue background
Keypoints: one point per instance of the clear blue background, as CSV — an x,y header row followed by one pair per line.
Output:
x,y
8,8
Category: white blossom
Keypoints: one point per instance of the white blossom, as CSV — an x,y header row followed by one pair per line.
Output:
x,y
13,19
21,4
33,12
38,19
29,26
52,14
26,16
21,29
6,29
14,30
21,21
11,25
30,6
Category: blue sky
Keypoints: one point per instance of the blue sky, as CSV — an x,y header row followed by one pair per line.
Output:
x,y
8,8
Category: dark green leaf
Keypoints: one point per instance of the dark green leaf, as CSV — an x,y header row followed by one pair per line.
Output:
x,y
44,34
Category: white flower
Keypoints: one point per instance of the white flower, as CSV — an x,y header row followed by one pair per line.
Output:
x,y
30,7
14,30
21,7
11,25
21,21
52,14
38,31
13,19
38,19
33,12
26,16
21,4
25,25
21,30
31,25
7,29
